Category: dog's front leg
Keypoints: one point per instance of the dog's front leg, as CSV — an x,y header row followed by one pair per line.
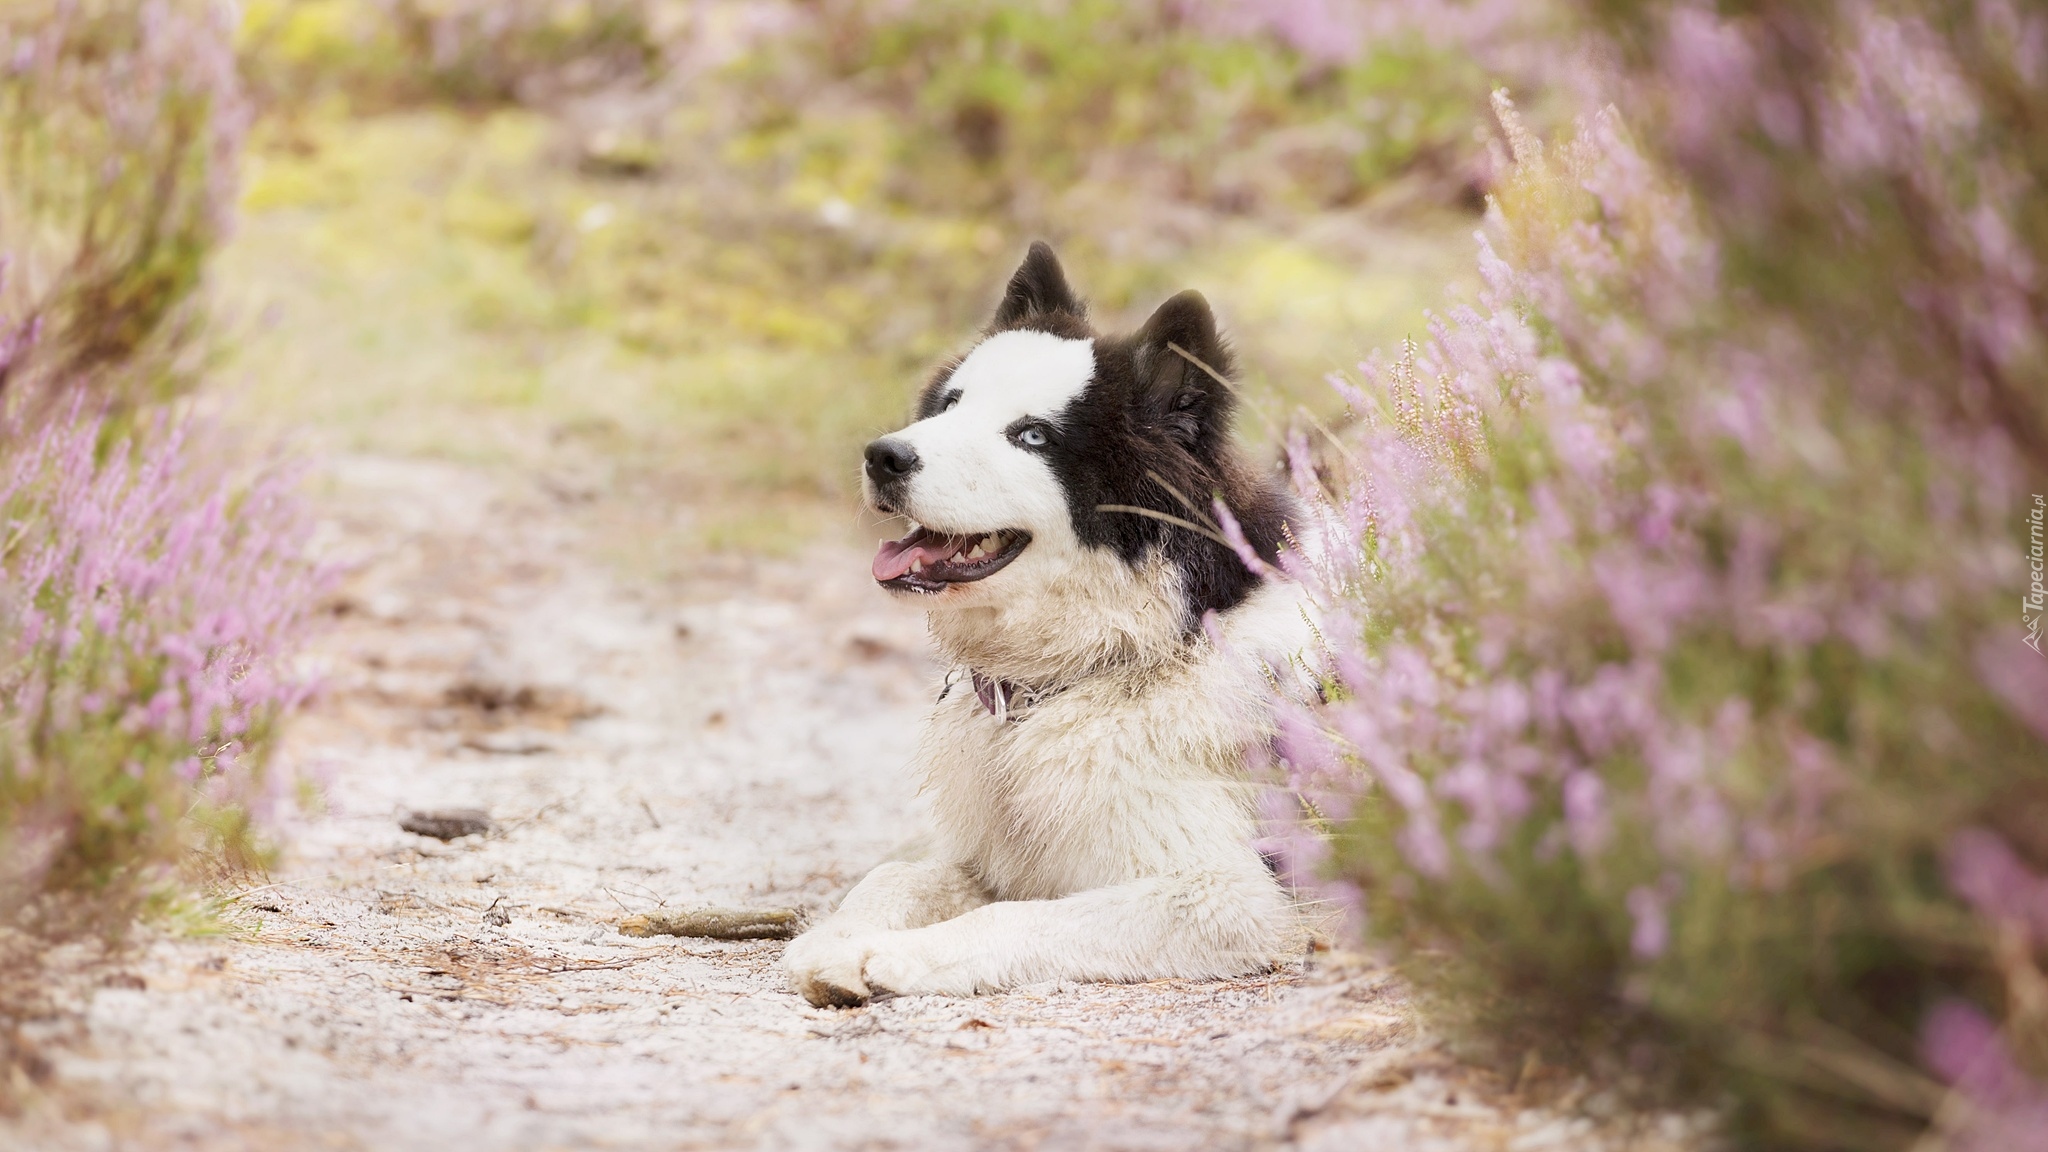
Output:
x,y
1202,924
825,963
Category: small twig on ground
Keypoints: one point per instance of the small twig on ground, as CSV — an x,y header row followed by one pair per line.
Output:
x,y
586,966
246,893
512,825
715,923
644,893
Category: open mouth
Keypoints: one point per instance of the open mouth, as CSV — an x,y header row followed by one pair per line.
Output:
x,y
927,561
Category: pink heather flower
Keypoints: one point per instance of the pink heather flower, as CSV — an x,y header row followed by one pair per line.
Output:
x,y
1585,812
131,600
2008,1110
1331,32
1960,1045
2019,676
1305,746
1234,535
1984,871
1328,31
1652,932
1422,841
1492,801
1301,855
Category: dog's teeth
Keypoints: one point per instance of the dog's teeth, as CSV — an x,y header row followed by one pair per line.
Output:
x,y
916,566
993,542
974,553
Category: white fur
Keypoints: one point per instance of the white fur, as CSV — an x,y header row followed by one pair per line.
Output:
x,y
972,477
1105,835
1023,373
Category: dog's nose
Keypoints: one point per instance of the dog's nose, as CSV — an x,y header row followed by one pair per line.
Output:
x,y
890,460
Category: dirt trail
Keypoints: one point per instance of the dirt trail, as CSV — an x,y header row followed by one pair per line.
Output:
x,y
741,742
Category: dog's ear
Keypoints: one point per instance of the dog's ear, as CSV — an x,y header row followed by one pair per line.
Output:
x,y
1039,286
1181,363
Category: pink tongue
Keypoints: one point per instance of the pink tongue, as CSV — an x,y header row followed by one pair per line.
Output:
x,y
895,557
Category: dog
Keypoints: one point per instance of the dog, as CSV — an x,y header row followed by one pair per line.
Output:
x,y
1113,663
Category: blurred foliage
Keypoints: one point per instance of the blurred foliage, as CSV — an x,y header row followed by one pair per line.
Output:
x,y
152,592
151,589
386,53
152,605
771,220
1697,721
120,130
1008,107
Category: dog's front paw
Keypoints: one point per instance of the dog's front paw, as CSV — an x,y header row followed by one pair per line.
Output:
x,y
908,971
826,969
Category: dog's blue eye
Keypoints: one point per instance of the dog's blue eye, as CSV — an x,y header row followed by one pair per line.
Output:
x,y
1032,437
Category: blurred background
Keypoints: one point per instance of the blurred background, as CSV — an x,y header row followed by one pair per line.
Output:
x,y
700,252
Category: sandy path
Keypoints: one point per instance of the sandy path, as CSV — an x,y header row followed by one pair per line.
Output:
x,y
742,742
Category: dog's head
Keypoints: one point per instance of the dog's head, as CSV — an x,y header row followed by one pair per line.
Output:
x,y
1049,448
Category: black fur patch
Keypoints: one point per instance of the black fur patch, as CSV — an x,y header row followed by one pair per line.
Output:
x,y
932,400
1037,289
1152,431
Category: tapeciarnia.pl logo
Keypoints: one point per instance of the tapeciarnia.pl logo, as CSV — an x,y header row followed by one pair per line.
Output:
x,y
2036,603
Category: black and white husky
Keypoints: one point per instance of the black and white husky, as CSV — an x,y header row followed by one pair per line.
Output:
x,y
1085,762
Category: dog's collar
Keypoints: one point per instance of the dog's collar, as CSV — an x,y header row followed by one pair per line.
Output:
x,y
1003,699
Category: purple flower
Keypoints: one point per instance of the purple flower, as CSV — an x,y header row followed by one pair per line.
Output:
x,y
1985,871
2007,1110
2019,677
1652,932
148,628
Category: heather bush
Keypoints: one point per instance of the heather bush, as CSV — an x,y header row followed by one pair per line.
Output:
x,y
152,594
120,127
385,53
1684,714
151,607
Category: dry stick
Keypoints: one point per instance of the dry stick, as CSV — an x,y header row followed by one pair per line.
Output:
x,y
1218,377
1173,520
1319,426
715,923
585,966
1215,532
302,881
248,892
1177,522
1170,519
1186,503
1271,424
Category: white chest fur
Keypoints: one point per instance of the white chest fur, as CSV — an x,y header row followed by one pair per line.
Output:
x,y
1117,777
